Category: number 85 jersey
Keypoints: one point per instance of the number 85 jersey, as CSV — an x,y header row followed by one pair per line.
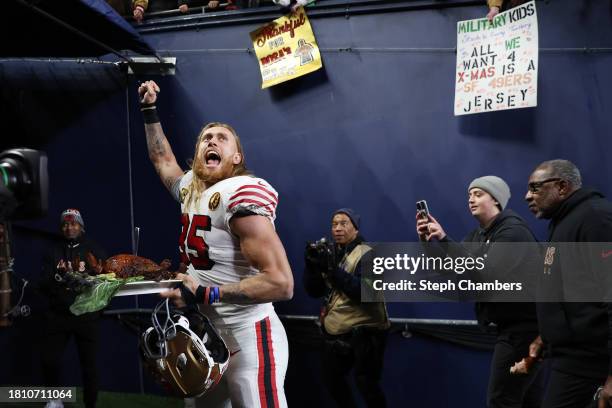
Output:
x,y
210,249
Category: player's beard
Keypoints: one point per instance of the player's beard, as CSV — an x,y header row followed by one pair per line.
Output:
x,y
210,177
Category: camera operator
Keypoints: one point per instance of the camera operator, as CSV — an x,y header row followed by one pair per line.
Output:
x,y
60,285
355,332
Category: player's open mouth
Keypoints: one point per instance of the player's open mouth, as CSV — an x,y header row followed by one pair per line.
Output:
x,y
212,159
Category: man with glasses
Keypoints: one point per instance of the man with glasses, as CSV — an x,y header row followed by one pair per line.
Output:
x,y
355,332
578,336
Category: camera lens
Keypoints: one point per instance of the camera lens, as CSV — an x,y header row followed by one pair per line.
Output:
x,y
23,184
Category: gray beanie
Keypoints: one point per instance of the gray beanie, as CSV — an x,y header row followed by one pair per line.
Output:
x,y
495,186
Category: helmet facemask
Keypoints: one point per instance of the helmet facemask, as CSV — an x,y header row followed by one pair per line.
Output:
x,y
184,353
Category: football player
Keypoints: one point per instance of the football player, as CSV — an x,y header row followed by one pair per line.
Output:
x,y
236,262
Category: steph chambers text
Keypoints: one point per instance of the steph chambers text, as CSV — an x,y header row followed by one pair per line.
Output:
x,y
446,286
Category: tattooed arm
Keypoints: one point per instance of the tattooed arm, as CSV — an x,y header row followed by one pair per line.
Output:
x,y
159,149
161,155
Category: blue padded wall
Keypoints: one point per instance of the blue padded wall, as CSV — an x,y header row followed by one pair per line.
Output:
x,y
373,130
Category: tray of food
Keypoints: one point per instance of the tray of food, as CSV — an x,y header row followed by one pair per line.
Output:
x,y
146,287
120,275
155,278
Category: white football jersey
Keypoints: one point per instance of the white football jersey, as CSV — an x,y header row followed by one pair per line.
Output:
x,y
212,251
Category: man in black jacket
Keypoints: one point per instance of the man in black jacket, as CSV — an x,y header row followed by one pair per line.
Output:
x,y
355,332
578,335
70,254
516,322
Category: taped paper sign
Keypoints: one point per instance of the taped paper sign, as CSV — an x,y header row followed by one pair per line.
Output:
x,y
286,48
497,62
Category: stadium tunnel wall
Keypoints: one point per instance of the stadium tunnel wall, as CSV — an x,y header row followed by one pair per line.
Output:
x,y
373,130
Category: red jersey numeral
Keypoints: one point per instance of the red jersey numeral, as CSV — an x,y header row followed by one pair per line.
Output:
x,y
190,239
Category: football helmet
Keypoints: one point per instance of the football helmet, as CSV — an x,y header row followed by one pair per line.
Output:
x,y
185,354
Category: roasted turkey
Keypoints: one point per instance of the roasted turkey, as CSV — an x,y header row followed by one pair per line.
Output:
x,y
126,266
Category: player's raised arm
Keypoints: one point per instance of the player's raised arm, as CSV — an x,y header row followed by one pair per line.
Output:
x,y
159,149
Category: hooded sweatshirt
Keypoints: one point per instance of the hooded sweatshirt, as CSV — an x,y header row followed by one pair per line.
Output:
x,y
517,265
577,333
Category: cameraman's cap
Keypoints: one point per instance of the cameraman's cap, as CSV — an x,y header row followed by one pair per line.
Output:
x,y
494,186
349,212
72,215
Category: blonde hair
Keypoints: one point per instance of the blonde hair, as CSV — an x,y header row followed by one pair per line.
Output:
x,y
197,185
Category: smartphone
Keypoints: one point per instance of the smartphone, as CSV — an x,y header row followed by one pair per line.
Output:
x,y
422,208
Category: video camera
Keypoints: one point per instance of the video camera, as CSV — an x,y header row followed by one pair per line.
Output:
x,y
321,255
24,189
24,184
320,249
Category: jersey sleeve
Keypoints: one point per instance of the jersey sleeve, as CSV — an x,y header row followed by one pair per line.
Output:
x,y
175,189
178,188
252,197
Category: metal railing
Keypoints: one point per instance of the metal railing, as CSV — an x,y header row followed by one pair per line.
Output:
x,y
314,319
265,13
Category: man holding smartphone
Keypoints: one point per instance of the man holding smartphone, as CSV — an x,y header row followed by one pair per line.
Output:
x,y
516,322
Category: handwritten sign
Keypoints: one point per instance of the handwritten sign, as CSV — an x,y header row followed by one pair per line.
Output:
x,y
286,48
497,62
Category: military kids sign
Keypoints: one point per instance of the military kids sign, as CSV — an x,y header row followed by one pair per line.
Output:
x,y
286,48
497,62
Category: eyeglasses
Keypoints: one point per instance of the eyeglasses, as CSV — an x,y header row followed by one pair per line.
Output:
x,y
535,186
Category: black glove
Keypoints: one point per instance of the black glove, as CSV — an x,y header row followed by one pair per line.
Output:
x,y
319,258
311,258
74,281
337,277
